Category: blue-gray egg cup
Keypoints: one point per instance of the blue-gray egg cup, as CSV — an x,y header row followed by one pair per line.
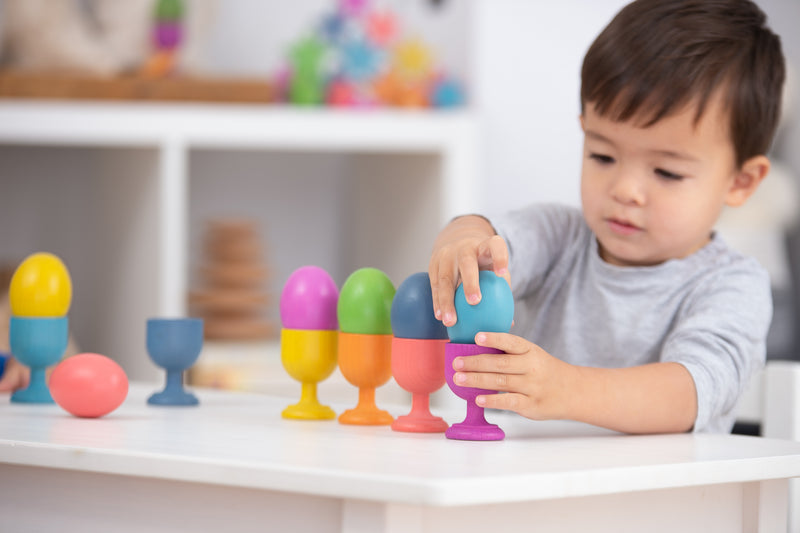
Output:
x,y
174,344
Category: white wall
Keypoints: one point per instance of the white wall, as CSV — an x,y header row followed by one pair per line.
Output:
x,y
528,57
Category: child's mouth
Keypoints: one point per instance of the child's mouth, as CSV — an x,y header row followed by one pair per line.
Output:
x,y
622,227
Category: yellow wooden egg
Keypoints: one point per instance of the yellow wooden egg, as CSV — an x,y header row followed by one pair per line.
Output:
x,y
41,287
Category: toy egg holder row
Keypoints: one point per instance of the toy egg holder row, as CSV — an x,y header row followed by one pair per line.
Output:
x,y
375,333
383,333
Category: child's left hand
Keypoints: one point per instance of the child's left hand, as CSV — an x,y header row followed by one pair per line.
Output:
x,y
537,385
16,376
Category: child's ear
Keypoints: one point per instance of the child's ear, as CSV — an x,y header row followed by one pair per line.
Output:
x,y
747,179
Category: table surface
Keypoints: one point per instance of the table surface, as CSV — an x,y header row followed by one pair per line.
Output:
x,y
239,439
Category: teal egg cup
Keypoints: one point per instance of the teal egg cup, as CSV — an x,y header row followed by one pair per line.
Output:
x,y
37,342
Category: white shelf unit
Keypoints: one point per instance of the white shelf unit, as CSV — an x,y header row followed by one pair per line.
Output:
x,y
119,190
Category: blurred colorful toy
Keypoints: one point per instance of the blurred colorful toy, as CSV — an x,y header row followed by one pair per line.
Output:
x,y
309,337
494,313
353,8
357,56
40,294
365,341
167,35
88,385
417,353
342,93
413,59
307,86
381,27
446,93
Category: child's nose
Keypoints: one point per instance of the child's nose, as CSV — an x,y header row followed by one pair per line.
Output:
x,y
628,188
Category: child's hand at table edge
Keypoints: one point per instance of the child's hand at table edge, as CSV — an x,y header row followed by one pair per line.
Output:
x,y
16,376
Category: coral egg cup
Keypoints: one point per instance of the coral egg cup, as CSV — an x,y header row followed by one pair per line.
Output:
x,y
418,367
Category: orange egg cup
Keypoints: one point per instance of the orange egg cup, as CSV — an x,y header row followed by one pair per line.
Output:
x,y
365,361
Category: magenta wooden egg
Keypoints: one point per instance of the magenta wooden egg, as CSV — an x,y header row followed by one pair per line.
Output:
x,y
88,385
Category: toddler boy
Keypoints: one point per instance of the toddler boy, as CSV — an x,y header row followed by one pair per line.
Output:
x,y
631,313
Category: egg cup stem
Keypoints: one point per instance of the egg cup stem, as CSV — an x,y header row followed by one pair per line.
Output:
x,y
308,408
173,393
36,392
420,419
366,412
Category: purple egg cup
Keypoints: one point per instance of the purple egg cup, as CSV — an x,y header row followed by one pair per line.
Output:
x,y
474,426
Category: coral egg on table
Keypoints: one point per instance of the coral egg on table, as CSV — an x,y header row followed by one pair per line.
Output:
x,y
88,385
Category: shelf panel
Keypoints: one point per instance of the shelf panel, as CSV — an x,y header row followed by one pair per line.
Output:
x,y
221,126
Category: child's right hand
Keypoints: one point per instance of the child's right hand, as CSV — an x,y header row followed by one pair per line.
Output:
x,y
464,247
16,376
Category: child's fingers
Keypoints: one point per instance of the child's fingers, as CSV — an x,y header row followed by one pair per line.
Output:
x,y
506,342
468,268
6,383
443,275
15,377
510,401
501,382
497,252
489,362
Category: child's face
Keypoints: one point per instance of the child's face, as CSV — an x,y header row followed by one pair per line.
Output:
x,y
653,194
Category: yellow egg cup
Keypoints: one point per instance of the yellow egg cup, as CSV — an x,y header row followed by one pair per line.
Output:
x,y
309,356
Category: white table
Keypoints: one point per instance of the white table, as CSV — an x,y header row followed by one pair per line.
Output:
x,y
232,464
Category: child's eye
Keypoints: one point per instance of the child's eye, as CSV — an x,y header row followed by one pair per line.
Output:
x,y
668,175
601,158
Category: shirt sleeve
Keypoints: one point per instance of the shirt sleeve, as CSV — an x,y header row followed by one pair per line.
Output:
x,y
536,236
720,337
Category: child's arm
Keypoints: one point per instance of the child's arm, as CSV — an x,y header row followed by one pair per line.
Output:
x,y
653,398
15,376
465,246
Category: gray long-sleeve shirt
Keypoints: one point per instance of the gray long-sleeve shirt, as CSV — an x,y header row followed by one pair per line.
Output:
x,y
709,312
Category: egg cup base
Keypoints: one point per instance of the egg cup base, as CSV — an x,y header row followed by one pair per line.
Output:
x,y
420,424
36,392
366,415
173,398
308,411
478,432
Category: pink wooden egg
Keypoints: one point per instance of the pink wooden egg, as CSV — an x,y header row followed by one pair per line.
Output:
x,y
88,385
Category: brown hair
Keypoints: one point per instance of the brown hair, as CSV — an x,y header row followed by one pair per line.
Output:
x,y
657,56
